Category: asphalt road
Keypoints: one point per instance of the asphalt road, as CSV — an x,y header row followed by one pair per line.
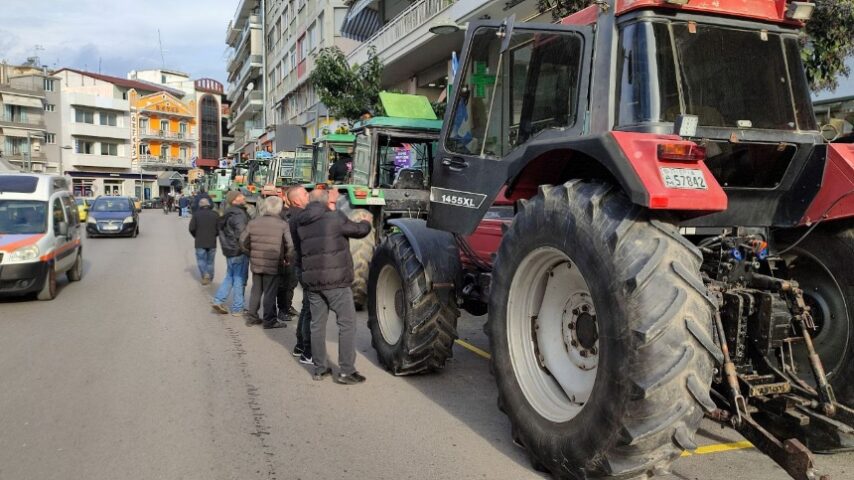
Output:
x,y
129,375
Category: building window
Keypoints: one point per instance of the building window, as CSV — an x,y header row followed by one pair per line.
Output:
x,y
50,138
109,149
311,37
302,46
84,146
182,128
210,137
14,113
84,116
163,79
293,58
340,15
143,125
48,85
15,146
49,107
319,30
183,153
143,149
82,187
108,119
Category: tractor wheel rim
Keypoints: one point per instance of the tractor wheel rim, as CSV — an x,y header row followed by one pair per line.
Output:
x,y
552,334
827,303
390,304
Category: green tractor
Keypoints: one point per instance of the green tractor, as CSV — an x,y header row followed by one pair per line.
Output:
x,y
390,163
216,183
291,168
249,177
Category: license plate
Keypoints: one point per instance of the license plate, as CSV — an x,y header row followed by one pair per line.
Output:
x,y
689,178
110,227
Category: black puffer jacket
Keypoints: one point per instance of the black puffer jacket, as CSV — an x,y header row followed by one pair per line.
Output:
x,y
323,234
231,225
204,226
268,241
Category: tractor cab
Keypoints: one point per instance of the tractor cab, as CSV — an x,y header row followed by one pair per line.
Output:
x,y
291,168
328,149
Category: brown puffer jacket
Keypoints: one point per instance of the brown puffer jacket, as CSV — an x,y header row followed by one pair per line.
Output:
x,y
267,241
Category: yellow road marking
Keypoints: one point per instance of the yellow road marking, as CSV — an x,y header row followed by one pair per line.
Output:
x,y
719,447
474,349
704,450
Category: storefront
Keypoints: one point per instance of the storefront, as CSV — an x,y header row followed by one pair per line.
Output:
x,y
94,184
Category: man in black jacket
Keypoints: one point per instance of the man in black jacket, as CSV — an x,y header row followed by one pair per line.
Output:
x,y
327,271
231,226
203,227
298,199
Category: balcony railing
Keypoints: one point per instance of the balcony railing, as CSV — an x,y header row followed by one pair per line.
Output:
x,y
167,135
163,160
32,121
417,15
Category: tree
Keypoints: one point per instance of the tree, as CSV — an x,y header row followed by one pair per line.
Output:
x,y
829,40
347,91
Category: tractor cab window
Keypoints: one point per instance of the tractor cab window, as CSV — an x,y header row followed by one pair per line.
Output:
x,y
403,161
505,99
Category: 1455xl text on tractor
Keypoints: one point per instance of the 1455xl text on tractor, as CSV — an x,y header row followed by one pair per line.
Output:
x,y
640,199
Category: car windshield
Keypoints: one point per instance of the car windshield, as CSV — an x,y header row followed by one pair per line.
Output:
x,y
111,205
22,217
715,73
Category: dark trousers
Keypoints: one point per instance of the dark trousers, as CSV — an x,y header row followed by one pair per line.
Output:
x,y
340,301
304,323
285,294
264,291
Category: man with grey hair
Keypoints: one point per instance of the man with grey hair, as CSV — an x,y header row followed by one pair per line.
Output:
x,y
203,226
267,241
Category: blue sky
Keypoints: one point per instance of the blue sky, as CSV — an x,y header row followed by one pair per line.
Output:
x,y
846,86
121,33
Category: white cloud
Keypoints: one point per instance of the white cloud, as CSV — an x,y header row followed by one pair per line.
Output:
x,y
121,33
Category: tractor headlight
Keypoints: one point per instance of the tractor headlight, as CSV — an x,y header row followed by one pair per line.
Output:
x,y
25,254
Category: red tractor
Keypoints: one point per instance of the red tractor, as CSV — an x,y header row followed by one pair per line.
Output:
x,y
641,200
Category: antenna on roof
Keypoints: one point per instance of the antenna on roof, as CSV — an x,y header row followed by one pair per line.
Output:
x,y
162,56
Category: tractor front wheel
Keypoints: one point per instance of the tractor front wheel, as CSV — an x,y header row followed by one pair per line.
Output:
x,y
600,328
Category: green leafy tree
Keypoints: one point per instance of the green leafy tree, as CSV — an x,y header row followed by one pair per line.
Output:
x,y
829,40
347,91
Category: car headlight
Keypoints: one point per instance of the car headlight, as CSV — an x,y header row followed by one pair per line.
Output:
x,y
25,254
128,220
91,219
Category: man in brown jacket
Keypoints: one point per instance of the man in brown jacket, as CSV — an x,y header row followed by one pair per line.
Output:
x,y
267,241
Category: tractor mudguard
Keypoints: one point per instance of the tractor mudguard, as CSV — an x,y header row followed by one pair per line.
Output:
x,y
436,250
835,198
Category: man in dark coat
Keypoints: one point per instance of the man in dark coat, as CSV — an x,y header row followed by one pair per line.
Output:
x,y
298,199
183,204
203,227
231,226
197,198
327,271
267,239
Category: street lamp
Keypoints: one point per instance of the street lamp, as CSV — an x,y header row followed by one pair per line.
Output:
x,y
65,147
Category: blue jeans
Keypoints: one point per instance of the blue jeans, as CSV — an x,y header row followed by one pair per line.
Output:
x,y
205,258
234,282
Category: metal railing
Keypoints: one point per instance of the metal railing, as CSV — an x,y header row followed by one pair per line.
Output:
x,y
167,135
406,22
163,160
5,117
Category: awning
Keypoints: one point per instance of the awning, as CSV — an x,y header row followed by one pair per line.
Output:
x,y
22,101
170,179
361,21
18,132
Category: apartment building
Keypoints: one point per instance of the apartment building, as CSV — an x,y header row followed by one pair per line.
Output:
x,y
295,31
245,68
93,132
205,94
415,40
23,132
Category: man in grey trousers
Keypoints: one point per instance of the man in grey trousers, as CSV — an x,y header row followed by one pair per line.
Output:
x,y
327,272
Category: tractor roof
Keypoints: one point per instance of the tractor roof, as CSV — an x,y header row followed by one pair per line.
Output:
x,y
336,138
399,123
765,10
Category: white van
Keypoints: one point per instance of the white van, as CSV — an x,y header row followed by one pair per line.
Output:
x,y
39,234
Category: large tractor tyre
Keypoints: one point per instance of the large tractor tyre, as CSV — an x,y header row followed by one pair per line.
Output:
x,y
413,327
821,264
362,250
601,332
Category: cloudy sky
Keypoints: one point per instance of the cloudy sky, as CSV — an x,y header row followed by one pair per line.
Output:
x,y
121,34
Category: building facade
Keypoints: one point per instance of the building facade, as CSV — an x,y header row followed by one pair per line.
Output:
x,y
245,68
93,133
23,114
163,132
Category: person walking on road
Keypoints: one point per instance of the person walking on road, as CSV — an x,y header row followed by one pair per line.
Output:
x,y
231,226
298,200
267,239
197,199
327,271
183,204
203,227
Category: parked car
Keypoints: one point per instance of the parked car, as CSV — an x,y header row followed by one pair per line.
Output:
x,y
39,234
155,202
82,208
113,216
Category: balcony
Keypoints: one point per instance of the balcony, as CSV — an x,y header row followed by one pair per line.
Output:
x,y
163,161
418,15
251,67
252,102
35,122
98,161
98,131
178,137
